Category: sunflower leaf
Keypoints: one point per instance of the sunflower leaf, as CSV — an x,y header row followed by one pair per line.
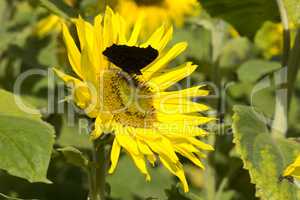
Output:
x,y
25,141
138,187
74,156
246,16
8,106
265,157
236,51
26,145
252,70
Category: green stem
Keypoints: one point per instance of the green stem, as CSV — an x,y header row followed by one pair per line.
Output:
x,y
292,71
293,67
59,9
97,172
280,122
210,176
286,32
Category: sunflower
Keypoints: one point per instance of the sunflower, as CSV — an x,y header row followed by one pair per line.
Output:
x,y
148,122
293,170
50,23
157,11
270,38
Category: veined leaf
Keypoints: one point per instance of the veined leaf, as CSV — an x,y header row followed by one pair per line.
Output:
x,y
25,141
138,187
265,157
252,70
74,156
25,146
8,106
76,135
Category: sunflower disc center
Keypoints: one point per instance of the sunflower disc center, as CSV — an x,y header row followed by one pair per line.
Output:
x,y
130,102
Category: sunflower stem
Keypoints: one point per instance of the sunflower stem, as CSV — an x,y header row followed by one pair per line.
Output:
x,y
280,122
293,67
97,172
210,176
286,32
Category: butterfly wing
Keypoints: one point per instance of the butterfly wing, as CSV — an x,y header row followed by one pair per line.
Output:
x,y
131,59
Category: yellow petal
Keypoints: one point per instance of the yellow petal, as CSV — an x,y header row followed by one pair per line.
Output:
x,y
127,142
66,78
141,165
164,60
167,79
199,144
174,106
79,23
186,93
183,118
136,31
88,71
177,170
98,131
109,32
81,91
165,40
162,147
293,169
130,145
181,129
144,149
186,153
73,52
155,38
114,156
122,30
101,62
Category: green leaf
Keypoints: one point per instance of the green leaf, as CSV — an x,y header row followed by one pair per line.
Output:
x,y
199,47
293,10
264,100
9,106
137,186
74,157
235,52
175,193
265,157
220,32
253,70
26,146
246,16
74,134
26,140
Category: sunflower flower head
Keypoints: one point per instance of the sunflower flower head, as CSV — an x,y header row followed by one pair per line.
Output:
x,y
148,122
270,38
156,11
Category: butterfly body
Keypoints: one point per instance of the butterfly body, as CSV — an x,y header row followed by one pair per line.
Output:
x,y
130,59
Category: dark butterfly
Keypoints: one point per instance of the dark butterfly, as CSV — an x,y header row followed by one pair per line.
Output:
x,y
131,59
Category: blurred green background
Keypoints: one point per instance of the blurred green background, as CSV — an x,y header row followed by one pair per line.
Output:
x,y
235,43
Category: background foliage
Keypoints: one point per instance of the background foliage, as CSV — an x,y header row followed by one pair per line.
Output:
x,y
237,44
